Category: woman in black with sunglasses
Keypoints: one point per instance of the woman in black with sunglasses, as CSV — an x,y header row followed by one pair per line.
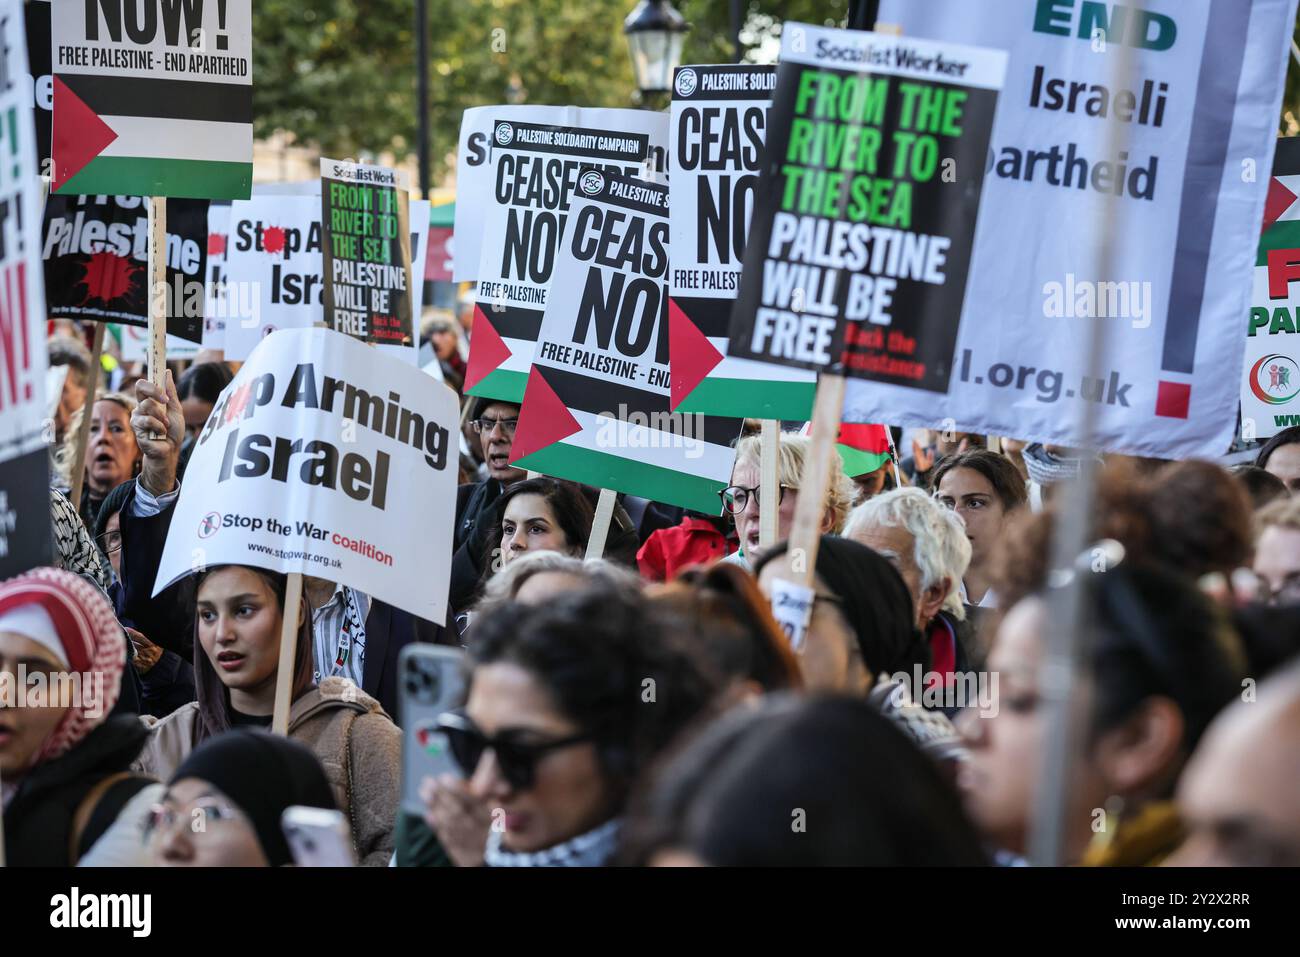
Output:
x,y
567,704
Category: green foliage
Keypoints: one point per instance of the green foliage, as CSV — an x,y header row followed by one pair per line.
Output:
x,y
340,74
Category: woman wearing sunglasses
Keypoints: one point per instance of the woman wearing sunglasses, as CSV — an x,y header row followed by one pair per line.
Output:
x,y
742,499
567,704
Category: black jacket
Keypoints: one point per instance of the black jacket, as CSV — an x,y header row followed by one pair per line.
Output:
x,y
39,819
168,620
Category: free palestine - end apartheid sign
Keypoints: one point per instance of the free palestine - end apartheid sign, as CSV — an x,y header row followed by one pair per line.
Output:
x,y
595,409
719,121
25,532
325,457
367,250
153,97
862,237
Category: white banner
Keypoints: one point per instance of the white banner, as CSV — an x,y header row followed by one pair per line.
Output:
x,y
326,458
474,162
1196,121
274,269
215,310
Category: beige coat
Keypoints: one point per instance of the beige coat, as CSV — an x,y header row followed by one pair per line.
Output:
x,y
365,771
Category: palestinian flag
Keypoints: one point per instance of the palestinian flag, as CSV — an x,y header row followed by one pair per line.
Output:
x,y
676,459
501,347
863,447
150,115
705,379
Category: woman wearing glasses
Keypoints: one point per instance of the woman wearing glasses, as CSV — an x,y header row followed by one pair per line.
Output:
x,y
236,661
239,785
567,704
741,500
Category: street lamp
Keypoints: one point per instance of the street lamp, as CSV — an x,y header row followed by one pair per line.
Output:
x,y
655,30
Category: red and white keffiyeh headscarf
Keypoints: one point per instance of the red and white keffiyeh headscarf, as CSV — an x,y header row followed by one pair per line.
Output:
x,y
92,642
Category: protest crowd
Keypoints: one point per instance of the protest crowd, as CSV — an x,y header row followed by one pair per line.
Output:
x,y
432,600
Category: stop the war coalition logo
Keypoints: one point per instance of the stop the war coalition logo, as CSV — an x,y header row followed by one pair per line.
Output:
x,y
96,251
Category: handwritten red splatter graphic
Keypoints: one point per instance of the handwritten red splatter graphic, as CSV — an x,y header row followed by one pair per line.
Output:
x,y
108,276
273,239
216,244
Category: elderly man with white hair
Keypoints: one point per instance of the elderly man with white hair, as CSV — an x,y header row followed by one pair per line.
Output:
x,y
927,544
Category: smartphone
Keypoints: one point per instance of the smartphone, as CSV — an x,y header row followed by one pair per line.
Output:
x,y
318,837
431,680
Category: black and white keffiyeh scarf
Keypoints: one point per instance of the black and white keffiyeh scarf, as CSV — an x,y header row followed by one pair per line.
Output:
x,y
595,848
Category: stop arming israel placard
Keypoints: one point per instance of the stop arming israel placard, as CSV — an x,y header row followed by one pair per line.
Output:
x,y
327,458
274,264
536,172
596,406
367,249
153,97
25,533
1179,201
862,236
476,157
1270,387
96,251
719,121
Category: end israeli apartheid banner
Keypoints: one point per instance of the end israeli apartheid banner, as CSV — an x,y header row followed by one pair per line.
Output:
x,y
536,167
476,157
596,408
719,123
1196,120
96,251
1270,387
274,270
367,249
153,97
25,533
326,458
860,248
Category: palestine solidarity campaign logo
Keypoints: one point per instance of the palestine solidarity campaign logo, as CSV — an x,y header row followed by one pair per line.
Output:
x,y
1274,379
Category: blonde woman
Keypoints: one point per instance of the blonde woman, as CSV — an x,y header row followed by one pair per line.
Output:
x,y
112,455
741,500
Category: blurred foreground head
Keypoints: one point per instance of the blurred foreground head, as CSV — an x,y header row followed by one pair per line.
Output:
x,y
1240,796
800,782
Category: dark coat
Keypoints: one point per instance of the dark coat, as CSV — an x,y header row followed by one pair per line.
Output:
x,y
39,820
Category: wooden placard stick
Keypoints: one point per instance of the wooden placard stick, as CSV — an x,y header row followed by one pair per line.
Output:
x,y
158,293
600,524
288,653
87,412
792,592
768,494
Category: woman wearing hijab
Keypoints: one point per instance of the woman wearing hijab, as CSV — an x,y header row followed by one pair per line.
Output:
x,y
64,763
246,780
863,631
236,662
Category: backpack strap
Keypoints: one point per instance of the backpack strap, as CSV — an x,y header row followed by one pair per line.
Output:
x,y
101,808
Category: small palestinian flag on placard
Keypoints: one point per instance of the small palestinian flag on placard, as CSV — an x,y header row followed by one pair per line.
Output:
x,y
863,447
